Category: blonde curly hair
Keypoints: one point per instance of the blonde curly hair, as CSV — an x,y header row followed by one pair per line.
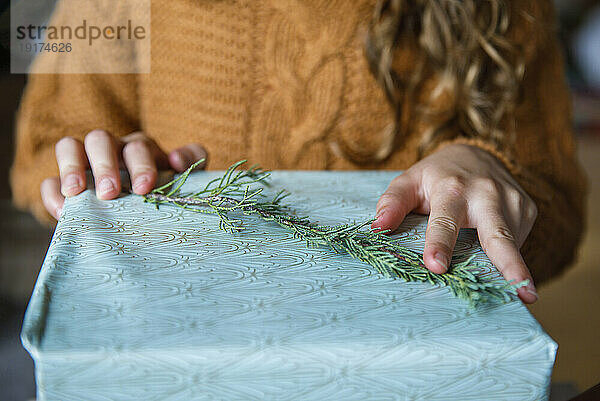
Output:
x,y
465,44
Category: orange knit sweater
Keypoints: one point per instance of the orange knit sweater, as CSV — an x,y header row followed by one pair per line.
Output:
x,y
285,84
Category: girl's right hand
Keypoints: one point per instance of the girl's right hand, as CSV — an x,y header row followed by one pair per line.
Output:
x,y
104,154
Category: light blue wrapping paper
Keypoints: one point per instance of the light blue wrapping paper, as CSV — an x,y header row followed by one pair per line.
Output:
x,y
135,303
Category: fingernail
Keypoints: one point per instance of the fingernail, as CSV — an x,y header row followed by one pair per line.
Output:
x,y
442,260
377,223
71,183
530,288
139,182
105,186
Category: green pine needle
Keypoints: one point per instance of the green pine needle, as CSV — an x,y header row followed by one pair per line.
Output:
x,y
233,193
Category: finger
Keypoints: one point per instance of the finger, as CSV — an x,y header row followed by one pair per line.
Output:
x,y
51,197
158,155
102,155
498,242
396,202
72,162
448,213
141,165
520,213
182,158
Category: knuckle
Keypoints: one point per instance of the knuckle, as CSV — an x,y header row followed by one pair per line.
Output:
x,y
67,168
102,168
502,234
97,135
531,210
143,169
136,136
406,179
395,183
135,146
529,201
386,199
488,185
445,224
455,185
527,206
66,141
429,169
515,196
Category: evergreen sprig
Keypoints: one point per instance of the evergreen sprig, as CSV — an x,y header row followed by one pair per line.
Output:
x,y
234,192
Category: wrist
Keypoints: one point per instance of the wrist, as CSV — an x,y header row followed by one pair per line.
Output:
x,y
503,157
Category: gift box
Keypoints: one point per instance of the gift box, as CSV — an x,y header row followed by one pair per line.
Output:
x,y
135,302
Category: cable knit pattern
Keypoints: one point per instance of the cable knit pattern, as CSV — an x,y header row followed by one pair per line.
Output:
x,y
285,83
303,77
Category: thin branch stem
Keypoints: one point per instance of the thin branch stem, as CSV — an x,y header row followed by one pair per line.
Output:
x,y
233,192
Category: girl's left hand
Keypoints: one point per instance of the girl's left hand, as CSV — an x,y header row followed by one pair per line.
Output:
x,y
462,186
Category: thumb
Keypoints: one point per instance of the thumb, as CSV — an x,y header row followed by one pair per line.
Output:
x,y
396,202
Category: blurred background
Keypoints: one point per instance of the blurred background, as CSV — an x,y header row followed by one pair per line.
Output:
x,y
567,308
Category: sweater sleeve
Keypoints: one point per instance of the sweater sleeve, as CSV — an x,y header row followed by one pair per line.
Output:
x,y
65,104
543,160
